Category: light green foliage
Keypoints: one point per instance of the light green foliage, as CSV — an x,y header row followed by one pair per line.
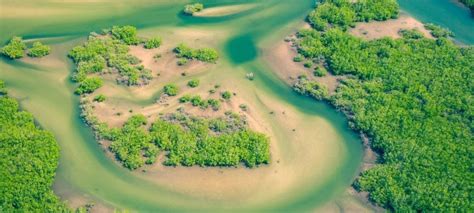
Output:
x,y
153,43
413,98
204,54
193,83
308,64
14,49
127,34
311,88
130,141
209,142
28,161
182,61
185,98
343,13
196,100
226,95
89,85
188,141
100,98
411,34
3,90
214,103
39,50
100,54
439,32
171,89
378,10
190,9
320,72
298,58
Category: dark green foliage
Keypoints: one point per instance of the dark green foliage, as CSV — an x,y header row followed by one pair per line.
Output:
x,y
171,89
196,100
214,103
39,50
185,99
193,83
89,85
468,3
28,161
298,58
308,64
153,43
311,88
226,95
439,32
100,98
215,142
14,49
204,54
128,34
413,98
190,9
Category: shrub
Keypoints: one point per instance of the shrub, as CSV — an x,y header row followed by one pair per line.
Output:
x,y
204,54
411,34
127,34
439,32
298,58
153,43
15,48
89,85
99,98
190,9
193,83
215,104
171,89
185,99
182,61
320,72
308,64
311,88
196,100
226,95
39,50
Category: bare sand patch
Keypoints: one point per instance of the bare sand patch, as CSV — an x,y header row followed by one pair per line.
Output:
x,y
224,10
390,28
280,59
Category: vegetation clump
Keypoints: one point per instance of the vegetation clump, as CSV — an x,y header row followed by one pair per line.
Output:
x,y
190,9
188,141
128,34
15,48
344,13
204,54
226,95
110,54
39,50
152,43
171,89
100,98
311,88
193,83
412,96
28,157
89,85
439,32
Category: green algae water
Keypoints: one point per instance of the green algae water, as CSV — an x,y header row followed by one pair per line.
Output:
x,y
43,88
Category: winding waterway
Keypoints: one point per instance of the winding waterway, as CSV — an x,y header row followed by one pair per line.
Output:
x,y
44,88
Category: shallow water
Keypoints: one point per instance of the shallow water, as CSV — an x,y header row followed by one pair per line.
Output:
x,y
44,89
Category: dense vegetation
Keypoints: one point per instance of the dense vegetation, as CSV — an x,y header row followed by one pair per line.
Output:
x,y
152,43
190,9
344,14
413,97
15,48
109,54
203,54
28,161
187,140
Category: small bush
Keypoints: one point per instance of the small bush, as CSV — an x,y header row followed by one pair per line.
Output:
x,y
298,58
128,34
15,48
153,43
89,85
99,98
171,89
185,99
320,72
215,104
39,50
193,83
226,95
182,61
308,64
190,9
